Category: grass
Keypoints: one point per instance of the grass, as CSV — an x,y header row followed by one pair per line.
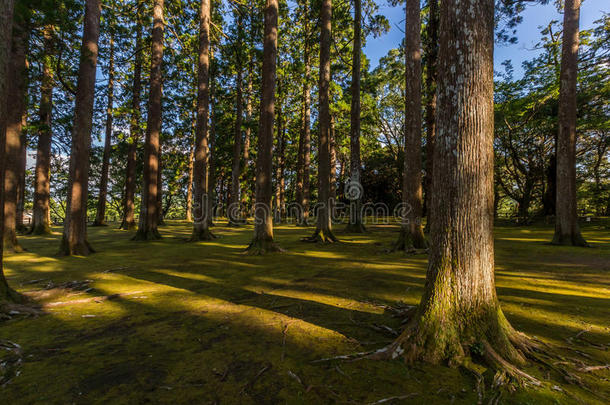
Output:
x,y
177,322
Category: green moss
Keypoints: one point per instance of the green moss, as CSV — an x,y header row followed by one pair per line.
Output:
x,y
202,322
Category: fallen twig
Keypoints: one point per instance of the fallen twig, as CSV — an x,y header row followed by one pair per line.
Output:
x,y
384,400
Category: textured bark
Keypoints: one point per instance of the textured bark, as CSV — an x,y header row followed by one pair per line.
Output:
x,y
6,24
189,185
149,213
129,222
459,311
16,109
280,204
567,231
262,241
411,234
431,49
201,224
211,190
100,217
74,241
160,211
21,227
233,209
355,223
302,193
42,186
323,232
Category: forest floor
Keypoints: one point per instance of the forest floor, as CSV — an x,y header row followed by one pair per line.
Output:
x,y
196,323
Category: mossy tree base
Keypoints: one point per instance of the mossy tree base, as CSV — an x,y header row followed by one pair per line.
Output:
x,y
128,227
41,229
12,245
202,235
321,236
357,227
569,239
99,224
77,249
488,338
260,247
411,242
147,235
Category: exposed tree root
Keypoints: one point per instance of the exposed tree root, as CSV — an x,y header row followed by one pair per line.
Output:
x,y
409,242
96,224
128,226
40,229
80,249
357,227
569,239
321,236
260,247
202,235
146,235
12,245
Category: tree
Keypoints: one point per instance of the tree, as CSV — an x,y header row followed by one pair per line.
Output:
x,y
201,224
459,310
263,227
42,187
567,231
411,233
129,222
74,241
100,218
149,213
16,110
323,232
6,25
355,190
431,56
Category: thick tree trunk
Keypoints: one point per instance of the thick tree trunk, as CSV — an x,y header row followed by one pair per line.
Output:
x,y
431,49
100,218
354,186
129,222
459,314
21,227
567,231
411,235
323,232
161,220
201,230
262,241
6,25
149,213
304,154
16,109
74,240
189,185
234,211
42,186
211,182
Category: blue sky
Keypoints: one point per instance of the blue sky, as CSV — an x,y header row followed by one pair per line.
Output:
x,y
528,32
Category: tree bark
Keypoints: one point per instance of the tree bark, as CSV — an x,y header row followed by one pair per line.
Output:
x,y
567,231
354,186
16,109
431,49
262,241
201,224
20,226
100,218
191,168
6,25
211,182
304,156
74,241
129,222
323,232
42,186
411,235
149,213
459,315
234,209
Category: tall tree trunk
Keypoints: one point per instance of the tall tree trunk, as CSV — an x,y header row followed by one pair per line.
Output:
x,y
211,182
100,218
201,229
20,226
567,231
149,213
323,232
411,233
262,241
17,91
431,49
74,240
42,186
280,163
189,185
459,310
234,209
354,185
129,222
161,212
6,25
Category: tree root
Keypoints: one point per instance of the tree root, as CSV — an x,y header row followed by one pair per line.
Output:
x,y
40,229
146,235
259,247
202,235
321,236
410,243
355,228
80,249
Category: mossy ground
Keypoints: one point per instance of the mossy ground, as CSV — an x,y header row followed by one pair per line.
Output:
x,y
198,323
